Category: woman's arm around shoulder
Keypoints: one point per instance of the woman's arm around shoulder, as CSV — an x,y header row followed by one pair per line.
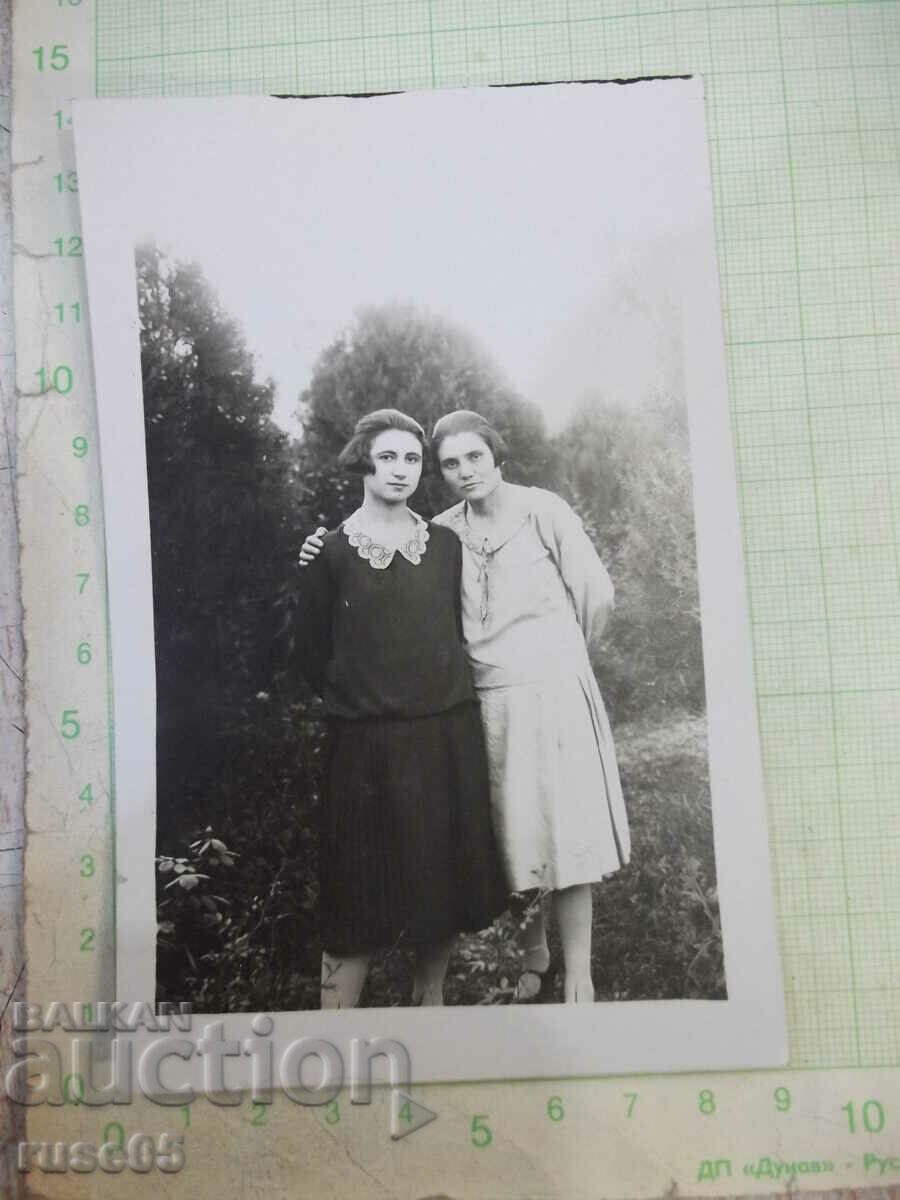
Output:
x,y
315,604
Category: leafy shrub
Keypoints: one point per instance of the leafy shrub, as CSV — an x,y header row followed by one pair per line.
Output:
x,y
628,475
244,936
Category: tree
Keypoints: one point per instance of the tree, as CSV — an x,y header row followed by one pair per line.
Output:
x,y
221,503
659,600
396,356
628,474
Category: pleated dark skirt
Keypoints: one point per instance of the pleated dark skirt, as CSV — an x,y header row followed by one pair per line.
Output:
x,y
407,852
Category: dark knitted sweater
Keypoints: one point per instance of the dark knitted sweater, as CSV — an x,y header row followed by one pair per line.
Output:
x,y
384,643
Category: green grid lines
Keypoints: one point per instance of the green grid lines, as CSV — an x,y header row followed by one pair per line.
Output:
x,y
803,105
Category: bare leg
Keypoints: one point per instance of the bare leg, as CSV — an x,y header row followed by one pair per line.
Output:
x,y
574,910
431,967
532,938
343,977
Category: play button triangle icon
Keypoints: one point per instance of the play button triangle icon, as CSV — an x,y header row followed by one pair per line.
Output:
x,y
407,1115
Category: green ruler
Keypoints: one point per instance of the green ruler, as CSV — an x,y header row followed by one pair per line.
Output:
x,y
803,103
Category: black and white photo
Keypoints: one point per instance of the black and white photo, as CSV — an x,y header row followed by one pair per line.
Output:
x,y
431,667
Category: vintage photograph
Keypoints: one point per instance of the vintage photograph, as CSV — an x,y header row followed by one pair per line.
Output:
x,y
376,755
421,395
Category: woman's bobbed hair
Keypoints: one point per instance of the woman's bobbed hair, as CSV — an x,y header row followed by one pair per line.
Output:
x,y
466,421
357,454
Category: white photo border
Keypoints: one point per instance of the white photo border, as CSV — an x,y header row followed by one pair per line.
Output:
x,y
747,1029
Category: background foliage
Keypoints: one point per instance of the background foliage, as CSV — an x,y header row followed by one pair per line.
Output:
x,y
240,741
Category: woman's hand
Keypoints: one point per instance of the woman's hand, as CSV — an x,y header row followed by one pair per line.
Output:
x,y
311,548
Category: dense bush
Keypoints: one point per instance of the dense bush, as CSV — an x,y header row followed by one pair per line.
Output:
x,y
223,515
238,929
243,935
628,476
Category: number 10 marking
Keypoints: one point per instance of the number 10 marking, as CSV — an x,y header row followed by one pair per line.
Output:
x,y
61,379
872,1115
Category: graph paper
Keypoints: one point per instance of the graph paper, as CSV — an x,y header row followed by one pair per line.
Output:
x,y
804,126
804,140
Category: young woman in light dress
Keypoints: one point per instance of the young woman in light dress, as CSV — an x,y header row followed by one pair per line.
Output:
x,y
534,597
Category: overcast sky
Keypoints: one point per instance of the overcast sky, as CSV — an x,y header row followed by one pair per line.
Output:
x,y
554,223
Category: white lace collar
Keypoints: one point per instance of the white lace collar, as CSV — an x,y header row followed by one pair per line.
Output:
x,y
378,556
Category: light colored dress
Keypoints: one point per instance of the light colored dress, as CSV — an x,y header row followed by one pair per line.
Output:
x,y
529,607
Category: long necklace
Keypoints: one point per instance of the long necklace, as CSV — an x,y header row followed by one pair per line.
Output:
x,y
483,551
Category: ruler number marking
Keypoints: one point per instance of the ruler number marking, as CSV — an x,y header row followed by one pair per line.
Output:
x,y
70,246
60,310
481,1134
57,58
61,379
872,1116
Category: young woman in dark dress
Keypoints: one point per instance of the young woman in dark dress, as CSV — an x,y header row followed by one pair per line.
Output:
x,y
407,851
